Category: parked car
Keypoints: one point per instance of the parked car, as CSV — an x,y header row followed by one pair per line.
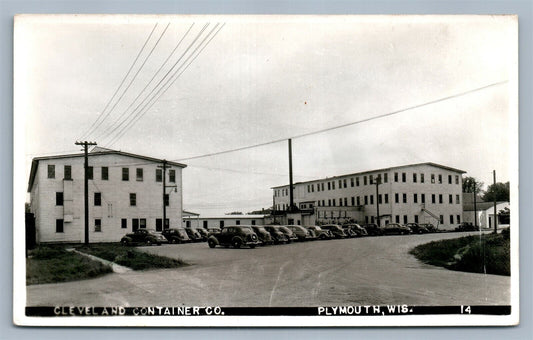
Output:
x,y
395,228
301,233
203,233
143,236
349,231
417,228
236,236
176,235
290,235
213,230
335,230
373,229
321,234
358,230
466,226
430,227
263,235
277,236
193,234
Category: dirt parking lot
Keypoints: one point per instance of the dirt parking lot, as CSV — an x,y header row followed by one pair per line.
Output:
x,y
370,270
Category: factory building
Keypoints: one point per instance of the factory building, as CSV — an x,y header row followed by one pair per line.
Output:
x,y
125,193
421,193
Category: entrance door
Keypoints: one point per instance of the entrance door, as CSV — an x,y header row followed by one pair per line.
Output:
x,y
134,224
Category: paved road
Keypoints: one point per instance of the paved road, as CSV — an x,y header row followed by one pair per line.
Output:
x,y
372,270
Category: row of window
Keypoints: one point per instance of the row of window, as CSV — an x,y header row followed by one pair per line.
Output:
x,y
372,219
368,180
98,199
136,223
220,223
104,174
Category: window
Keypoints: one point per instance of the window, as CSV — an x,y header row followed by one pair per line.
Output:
x,y
312,188
90,172
415,198
432,178
344,182
396,198
105,173
125,174
329,185
421,178
404,198
329,203
433,198
238,222
124,223
352,183
386,198
441,219
340,183
451,219
371,219
172,176
98,198
139,174
59,226
416,218
142,223
308,188
366,200
333,201
358,200
450,199
97,225
133,199
345,201
68,172
457,199
59,198
253,222
371,199
221,224
395,177
333,185
158,175
319,203
456,179
357,181
404,177
458,218
340,202
414,177
397,218
167,200
440,198
322,186
385,177
364,180
423,198
366,219
380,199
323,202
450,182
158,224
404,219
318,187
440,179
51,171
371,178
353,201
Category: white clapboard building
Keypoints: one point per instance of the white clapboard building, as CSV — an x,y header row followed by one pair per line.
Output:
x,y
125,193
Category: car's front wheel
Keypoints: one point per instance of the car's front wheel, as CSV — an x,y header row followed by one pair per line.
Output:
x,y
237,242
252,246
212,243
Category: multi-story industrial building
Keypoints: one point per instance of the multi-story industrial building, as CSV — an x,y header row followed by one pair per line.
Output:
x,y
125,193
421,193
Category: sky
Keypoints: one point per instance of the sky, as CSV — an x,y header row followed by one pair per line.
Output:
x,y
270,78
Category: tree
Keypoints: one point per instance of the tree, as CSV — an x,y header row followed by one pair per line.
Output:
x,y
470,182
497,192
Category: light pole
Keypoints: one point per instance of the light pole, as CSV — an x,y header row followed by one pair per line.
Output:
x,y
378,182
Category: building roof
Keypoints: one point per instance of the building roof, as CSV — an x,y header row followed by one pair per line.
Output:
x,y
96,151
480,206
221,217
377,170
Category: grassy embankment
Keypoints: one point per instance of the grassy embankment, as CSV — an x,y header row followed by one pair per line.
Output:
x,y
52,263
486,254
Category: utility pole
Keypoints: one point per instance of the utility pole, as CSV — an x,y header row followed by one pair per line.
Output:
x,y
378,182
475,207
86,186
164,167
291,197
495,213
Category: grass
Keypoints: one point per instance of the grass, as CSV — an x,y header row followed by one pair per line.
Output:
x,y
129,257
486,254
50,264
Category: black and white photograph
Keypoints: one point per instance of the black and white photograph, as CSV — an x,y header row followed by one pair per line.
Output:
x,y
266,170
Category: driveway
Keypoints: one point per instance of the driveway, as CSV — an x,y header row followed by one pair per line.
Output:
x,y
362,271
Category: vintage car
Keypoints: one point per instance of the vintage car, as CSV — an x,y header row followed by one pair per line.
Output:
x,y
203,233
466,226
373,229
301,233
357,229
236,236
396,229
335,230
193,234
320,233
143,236
277,236
417,228
430,227
290,235
348,231
263,235
213,230
176,235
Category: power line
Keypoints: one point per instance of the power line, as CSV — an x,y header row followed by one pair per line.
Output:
x,y
159,83
343,125
153,77
90,130
139,70
172,81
